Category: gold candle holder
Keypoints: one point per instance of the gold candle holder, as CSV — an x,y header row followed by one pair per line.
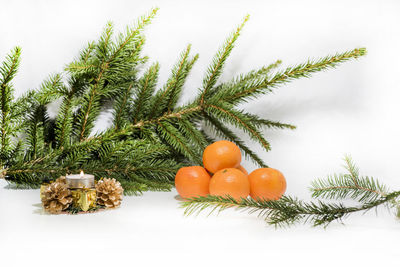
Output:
x,y
42,188
84,198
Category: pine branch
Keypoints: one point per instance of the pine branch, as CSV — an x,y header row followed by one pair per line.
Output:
x,y
176,140
176,93
253,79
285,211
8,70
70,100
132,33
239,120
215,69
146,87
191,132
152,134
35,131
129,160
91,108
120,116
165,99
225,133
10,65
291,73
339,186
51,89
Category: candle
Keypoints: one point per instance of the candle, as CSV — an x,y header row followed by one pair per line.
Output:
x,y
81,180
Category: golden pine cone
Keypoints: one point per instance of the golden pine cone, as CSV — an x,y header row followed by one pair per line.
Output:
x,y
61,179
56,197
109,192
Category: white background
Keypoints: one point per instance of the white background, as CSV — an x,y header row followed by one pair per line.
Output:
x,y
353,109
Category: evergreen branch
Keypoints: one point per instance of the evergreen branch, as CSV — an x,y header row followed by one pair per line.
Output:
x,y
90,108
215,69
191,132
146,88
65,118
131,33
162,101
50,90
64,122
175,94
35,131
339,186
90,111
8,70
120,106
285,211
225,133
114,135
275,124
82,65
85,55
253,79
299,71
152,133
137,186
237,119
185,111
176,140
9,67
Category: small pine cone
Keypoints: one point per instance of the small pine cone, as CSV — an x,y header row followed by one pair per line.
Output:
x,y
61,179
56,197
109,192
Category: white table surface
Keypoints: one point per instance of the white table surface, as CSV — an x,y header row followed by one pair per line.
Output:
x,y
151,231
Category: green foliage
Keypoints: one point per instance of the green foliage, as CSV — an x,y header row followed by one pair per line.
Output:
x,y
287,210
151,135
8,70
339,186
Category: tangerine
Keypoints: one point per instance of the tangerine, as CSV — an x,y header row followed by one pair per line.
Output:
x,y
230,181
220,155
192,182
267,183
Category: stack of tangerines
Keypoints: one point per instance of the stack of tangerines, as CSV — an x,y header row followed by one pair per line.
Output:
x,y
223,175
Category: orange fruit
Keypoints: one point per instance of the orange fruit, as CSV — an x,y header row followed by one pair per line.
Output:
x,y
192,181
267,183
231,182
220,155
242,169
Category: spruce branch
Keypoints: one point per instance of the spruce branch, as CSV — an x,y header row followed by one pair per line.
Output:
x,y
238,119
222,131
151,134
288,210
339,186
165,100
176,140
145,89
285,211
291,73
120,116
218,62
8,70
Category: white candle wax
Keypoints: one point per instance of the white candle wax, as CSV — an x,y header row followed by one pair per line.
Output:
x,y
81,180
